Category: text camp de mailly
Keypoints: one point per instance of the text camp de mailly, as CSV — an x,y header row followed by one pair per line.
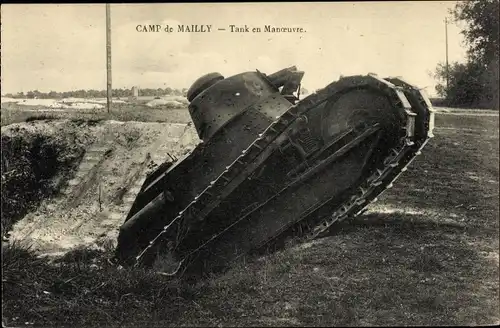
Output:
x,y
209,28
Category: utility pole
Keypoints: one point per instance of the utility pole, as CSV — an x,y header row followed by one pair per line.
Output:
x,y
108,56
446,41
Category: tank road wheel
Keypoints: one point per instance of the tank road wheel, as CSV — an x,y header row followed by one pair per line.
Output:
x,y
358,110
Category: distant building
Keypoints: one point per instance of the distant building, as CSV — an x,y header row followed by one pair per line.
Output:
x,y
135,92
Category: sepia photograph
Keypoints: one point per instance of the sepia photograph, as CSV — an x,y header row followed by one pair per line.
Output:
x,y
250,164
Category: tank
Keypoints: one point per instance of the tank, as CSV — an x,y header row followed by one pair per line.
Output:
x,y
271,166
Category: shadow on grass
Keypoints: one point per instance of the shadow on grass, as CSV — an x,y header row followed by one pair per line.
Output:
x,y
375,270
403,223
382,228
40,117
370,276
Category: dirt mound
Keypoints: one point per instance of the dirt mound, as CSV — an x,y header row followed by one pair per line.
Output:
x,y
103,166
36,160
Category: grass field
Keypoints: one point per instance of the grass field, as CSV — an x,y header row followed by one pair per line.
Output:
x,y
130,110
425,254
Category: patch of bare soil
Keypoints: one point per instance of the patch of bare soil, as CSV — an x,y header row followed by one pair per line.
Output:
x,y
36,161
99,188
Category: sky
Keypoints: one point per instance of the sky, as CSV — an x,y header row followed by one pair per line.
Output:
x,y
62,47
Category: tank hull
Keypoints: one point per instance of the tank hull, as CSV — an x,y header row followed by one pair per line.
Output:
x,y
271,167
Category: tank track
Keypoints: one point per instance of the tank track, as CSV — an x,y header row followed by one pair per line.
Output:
x,y
405,97
382,179
372,188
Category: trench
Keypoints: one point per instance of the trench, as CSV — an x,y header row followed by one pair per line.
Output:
x,y
34,167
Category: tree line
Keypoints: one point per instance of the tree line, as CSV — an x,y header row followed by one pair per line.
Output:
x,y
474,83
120,93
